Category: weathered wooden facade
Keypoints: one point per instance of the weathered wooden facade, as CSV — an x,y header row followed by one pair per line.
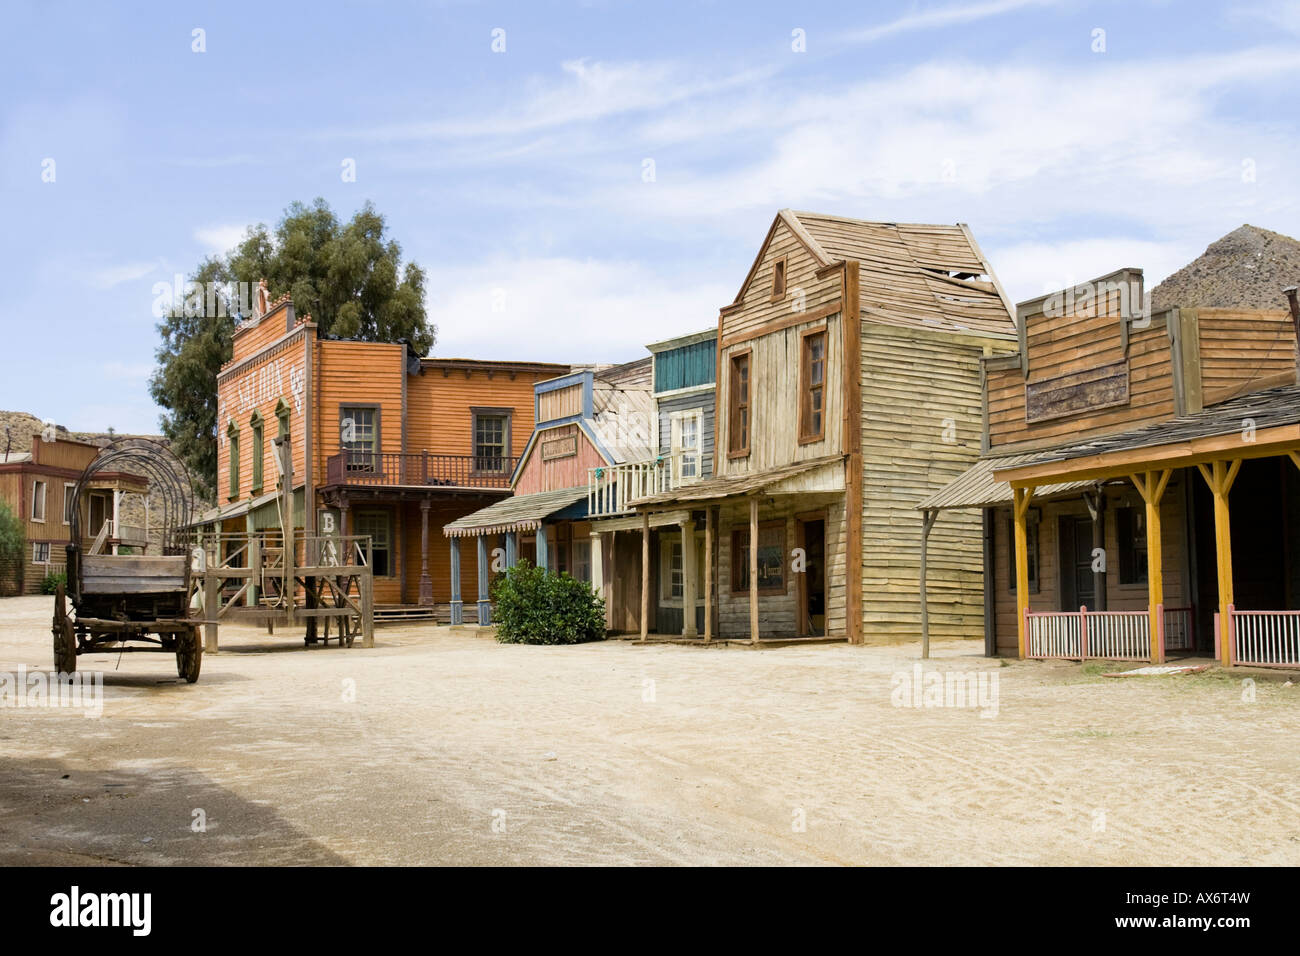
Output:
x,y
1138,488
385,444
38,486
848,379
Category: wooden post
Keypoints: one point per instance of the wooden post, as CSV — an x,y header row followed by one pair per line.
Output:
x,y
287,530
1096,502
367,607
457,608
708,574
484,603
928,519
426,582
1020,508
1152,485
753,569
210,610
645,574
1220,478
597,562
689,572
512,548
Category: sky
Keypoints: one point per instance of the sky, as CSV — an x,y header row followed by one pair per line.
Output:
x,y
580,179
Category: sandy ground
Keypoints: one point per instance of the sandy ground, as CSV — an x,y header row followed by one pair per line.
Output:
x,y
458,750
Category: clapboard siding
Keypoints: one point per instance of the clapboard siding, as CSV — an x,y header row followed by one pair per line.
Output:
x,y
804,290
921,428
361,373
686,366
704,401
439,408
568,472
1240,346
260,385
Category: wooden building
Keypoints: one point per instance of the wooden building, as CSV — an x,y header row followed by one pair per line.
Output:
x,y
848,381
1138,487
38,486
385,443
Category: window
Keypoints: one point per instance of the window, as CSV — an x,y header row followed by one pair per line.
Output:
x,y
359,436
685,428
812,387
738,420
778,278
1131,530
282,415
232,433
672,570
771,557
38,500
40,552
376,524
259,451
582,560
1031,536
491,439
69,497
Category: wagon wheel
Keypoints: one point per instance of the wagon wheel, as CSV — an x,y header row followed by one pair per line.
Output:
x,y
189,653
65,637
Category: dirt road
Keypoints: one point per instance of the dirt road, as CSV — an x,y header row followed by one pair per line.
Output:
x,y
445,747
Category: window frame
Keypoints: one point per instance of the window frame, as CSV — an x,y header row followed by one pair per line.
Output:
x,y
37,546
677,451
258,426
806,434
1131,547
780,277
232,466
43,498
69,494
734,449
389,549
377,441
667,544
737,549
507,427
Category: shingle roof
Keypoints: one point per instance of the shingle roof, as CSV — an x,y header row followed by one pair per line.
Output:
x,y
910,272
977,488
711,489
518,513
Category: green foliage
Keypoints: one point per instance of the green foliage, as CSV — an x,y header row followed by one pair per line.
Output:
x,y
538,607
11,534
348,277
51,581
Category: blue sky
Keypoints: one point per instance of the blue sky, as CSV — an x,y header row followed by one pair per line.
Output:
x,y
519,174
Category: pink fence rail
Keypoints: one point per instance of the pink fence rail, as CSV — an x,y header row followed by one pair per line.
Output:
x,y
1104,635
1264,638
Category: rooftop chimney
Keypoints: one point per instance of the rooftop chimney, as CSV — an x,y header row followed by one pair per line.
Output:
x,y
1290,293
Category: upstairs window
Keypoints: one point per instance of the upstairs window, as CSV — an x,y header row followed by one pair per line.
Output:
x,y
684,443
38,501
69,499
491,439
282,415
259,451
232,433
738,419
812,387
359,436
778,278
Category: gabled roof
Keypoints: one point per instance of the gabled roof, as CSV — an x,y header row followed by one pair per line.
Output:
x,y
913,274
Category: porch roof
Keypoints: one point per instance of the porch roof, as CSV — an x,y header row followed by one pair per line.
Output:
x,y
1273,416
727,486
977,488
519,513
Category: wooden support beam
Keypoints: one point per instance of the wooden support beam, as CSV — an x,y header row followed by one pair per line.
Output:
x,y
928,519
645,574
426,582
1096,504
1151,486
211,596
753,569
708,575
690,571
484,604
1220,477
457,608
1020,512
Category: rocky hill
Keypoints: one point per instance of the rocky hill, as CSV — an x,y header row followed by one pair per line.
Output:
x,y
1247,268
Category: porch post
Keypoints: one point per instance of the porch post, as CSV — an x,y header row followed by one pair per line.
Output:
x,y
457,609
708,574
689,572
645,574
1152,487
928,519
753,569
1220,477
1096,502
426,582
543,556
484,605
512,548
598,563
117,508
1020,512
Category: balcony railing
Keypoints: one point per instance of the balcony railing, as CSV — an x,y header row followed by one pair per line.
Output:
x,y
420,469
610,488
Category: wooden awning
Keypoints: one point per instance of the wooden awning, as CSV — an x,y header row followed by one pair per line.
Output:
x,y
805,477
519,513
978,488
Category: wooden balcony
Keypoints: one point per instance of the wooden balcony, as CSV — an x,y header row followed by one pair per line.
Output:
x,y
419,470
609,489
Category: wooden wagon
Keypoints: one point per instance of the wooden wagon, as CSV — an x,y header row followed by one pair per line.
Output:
x,y
138,598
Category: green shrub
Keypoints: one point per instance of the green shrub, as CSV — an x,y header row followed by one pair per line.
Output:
x,y
538,607
11,534
51,581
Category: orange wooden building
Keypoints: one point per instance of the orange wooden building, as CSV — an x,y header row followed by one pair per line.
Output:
x,y
385,443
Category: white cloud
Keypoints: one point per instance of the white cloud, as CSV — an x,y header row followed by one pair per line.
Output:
x,y
567,310
939,17
219,239
1029,269
111,276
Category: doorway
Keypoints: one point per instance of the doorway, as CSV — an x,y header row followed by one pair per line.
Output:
x,y
1077,582
812,583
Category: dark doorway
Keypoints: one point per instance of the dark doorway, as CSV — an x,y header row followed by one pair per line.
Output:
x,y
1077,587
812,538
